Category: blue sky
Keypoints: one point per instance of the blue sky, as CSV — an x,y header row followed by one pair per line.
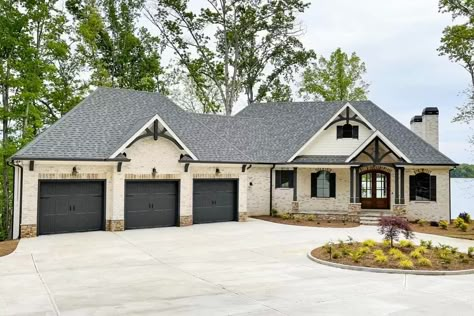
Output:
x,y
397,40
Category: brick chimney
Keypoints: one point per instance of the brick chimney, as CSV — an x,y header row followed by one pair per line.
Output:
x,y
426,126
416,125
431,126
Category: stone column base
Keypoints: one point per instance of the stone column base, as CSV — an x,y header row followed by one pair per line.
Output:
x,y
114,225
28,231
295,207
354,208
400,210
185,220
243,217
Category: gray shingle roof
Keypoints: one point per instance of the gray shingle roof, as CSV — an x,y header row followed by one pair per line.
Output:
x,y
315,159
265,133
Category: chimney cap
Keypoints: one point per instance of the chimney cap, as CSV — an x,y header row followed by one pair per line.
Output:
x,y
431,111
416,118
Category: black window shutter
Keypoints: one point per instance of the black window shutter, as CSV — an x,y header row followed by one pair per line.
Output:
x,y
355,132
433,188
277,178
313,184
412,188
339,132
332,185
291,179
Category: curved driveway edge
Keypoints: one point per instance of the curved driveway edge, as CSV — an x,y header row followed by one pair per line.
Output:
x,y
392,271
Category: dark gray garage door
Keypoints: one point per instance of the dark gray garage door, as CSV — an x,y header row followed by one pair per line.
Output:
x,y
214,201
151,204
70,206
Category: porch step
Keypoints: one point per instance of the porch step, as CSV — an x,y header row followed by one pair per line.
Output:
x,y
372,217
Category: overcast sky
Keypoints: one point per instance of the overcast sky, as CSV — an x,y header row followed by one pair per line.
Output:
x,y
397,40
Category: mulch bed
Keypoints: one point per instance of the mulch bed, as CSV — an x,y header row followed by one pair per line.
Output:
x,y
452,231
301,222
458,261
7,247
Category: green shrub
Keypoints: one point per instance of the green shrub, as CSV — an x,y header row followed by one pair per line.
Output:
x,y
397,254
310,218
443,224
424,262
421,222
336,255
286,216
381,259
274,212
463,227
369,243
445,256
428,244
378,252
458,222
415,254
406,264
406,244
470,252
356,256
386,243
364,250
345,251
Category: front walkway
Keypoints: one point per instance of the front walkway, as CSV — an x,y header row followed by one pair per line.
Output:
x,y
253,268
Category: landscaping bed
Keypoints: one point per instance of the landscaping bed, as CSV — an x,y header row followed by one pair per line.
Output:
x,y
306,221
7,247
461,227
404,255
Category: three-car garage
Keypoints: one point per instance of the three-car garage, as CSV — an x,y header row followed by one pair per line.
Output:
x,y
79,205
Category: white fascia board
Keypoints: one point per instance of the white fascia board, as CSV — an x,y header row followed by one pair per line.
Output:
x,y
142,129
327,124
385,140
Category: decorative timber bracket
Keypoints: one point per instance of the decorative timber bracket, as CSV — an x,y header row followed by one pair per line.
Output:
x,y
156,134
347,118
186,167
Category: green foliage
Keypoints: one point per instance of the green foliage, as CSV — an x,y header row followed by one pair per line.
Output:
x,y
369,243
424,262
463,171
470,252
443,224
335,79
428,244
274,212
255,46
356,256
386,243
378,252
363,250
336,255
286,216
465,216
406,264
381,258
415,254
463,227
397,254
406,244
458,222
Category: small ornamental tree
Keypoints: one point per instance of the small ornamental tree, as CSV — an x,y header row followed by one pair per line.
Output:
x,y
392,226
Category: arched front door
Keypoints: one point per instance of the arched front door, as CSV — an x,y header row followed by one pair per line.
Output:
x,y
375,190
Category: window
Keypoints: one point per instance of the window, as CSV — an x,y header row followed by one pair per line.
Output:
x,y
366,185
422,187
284,178
323,184
348,131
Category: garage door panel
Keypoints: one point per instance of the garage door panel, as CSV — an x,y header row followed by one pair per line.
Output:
x,y
151,204
71,206
214,201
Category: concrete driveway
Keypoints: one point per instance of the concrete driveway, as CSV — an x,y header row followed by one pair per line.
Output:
x,y
252,268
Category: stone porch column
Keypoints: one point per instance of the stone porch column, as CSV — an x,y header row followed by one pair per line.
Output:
x,y
295,206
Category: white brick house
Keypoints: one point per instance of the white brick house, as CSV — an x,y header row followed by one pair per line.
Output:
x,y
124,159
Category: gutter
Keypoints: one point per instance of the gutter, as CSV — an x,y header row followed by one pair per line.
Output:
x,y
72,159
271,189
449,188
13,165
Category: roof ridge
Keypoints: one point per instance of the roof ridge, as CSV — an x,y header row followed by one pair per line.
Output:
x,y
224,139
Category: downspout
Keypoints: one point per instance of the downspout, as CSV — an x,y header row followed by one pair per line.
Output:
x,y
449,187
20,206
10,231
271,189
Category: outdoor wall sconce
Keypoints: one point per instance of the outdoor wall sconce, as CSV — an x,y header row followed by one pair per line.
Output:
x,y
251,183
153,171
74,171
218,171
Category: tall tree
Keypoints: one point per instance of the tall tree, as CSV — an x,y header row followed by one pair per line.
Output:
x,y
334,79
255,43
457,43
116,51
31,41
